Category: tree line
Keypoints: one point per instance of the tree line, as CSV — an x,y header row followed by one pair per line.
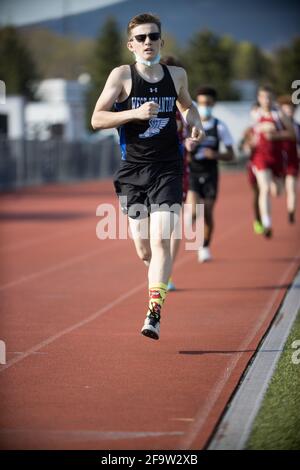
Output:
x,y
29,55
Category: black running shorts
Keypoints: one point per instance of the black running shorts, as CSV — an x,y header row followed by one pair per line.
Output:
x,y
143,188
205,184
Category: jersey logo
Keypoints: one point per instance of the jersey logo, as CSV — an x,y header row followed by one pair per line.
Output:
x,y
156,125
153,90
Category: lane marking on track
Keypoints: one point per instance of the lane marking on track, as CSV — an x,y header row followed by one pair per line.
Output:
x,y
51,236
73,327
88,435
236,424
57,267
203,413
104,309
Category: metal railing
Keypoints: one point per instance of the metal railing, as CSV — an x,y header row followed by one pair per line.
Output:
x,y
32,162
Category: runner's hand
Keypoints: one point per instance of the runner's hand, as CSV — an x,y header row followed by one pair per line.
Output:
x,y
197,134
190,144
147,111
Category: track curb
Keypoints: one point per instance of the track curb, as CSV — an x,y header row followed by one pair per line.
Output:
x,y
236,424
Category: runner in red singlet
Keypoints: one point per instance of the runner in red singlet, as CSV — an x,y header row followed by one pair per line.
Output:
x,y
270,128
290,156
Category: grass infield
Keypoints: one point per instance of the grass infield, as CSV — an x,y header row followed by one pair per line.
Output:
x,y
277,425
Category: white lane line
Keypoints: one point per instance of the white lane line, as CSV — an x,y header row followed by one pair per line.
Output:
x,y
51,236
87,435
237,422
205,410
57,267
79,324
102,310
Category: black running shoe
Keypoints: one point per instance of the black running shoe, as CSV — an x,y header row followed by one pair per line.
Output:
x,y
151,326
291,217
268,233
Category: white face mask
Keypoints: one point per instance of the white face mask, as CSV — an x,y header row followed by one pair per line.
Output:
x,y
205,111
140,60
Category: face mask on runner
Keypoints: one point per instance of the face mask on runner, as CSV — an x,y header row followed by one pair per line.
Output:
x,y
205,111
140,60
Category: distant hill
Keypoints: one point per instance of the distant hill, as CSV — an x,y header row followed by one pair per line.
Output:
x,y
267,23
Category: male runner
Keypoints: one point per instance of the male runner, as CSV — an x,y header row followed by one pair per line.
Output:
x,y
247,145
270,129
290,157
204,174
182,131
150,174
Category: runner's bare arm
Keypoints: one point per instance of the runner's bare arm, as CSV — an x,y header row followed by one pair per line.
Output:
x,y
288,132
188,109
104,118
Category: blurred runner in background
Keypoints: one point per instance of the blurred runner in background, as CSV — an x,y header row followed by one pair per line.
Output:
x,y
290,151
183,132
270,129
247,145
204,172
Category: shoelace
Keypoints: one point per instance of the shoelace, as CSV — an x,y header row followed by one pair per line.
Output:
x,y
154,316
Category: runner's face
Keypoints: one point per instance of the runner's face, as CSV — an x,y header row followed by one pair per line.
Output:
x,y
265,100
204,100
148,49
205,106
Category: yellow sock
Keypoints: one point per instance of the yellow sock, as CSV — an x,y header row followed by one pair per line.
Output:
x,y
157,295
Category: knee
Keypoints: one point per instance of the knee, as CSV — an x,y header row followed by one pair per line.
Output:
x,y
162,244
264,189
144,254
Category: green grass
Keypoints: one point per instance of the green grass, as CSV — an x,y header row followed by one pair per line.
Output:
x,y
277,425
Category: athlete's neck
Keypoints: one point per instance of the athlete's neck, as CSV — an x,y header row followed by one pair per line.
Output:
x,y
152,73
147,63
266,110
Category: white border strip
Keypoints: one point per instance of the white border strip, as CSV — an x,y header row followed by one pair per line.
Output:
x,y
236,424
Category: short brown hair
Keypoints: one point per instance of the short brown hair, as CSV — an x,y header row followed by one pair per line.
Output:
x,y
267,88
286,99
143,18
207,91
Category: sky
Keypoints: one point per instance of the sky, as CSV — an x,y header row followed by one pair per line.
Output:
x,y
267,23
22,12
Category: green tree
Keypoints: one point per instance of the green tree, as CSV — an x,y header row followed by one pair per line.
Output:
x,y
250,63
287,66
208,62
58,56
107,54
17,68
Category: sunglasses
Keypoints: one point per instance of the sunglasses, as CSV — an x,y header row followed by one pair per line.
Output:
x,y
151,36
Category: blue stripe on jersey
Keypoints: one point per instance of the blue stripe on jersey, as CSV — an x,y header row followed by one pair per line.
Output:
x,y
121,130
123,142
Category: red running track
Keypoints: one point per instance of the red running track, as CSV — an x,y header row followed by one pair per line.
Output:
x,y
79,375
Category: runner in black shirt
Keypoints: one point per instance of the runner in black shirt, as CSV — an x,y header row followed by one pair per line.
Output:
x,y
149,181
